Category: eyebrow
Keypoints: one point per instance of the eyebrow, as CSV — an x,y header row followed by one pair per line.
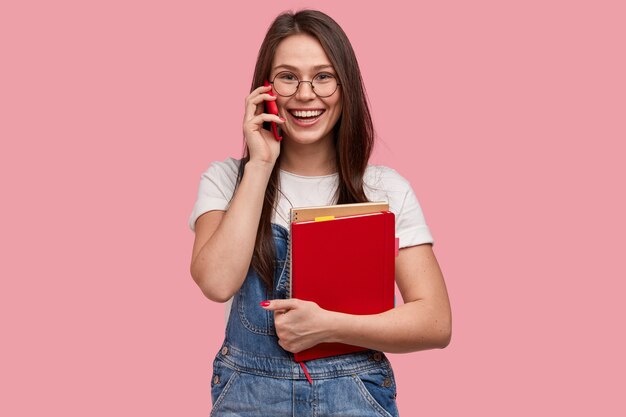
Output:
x,y
317,67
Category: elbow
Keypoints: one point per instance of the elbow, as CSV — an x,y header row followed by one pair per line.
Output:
x,y
444,339
444,334
215,296
436,338
212,292
435,332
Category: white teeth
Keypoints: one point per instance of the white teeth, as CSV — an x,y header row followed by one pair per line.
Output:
x,y
313,113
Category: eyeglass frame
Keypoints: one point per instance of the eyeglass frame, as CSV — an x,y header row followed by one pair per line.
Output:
x,y
304,81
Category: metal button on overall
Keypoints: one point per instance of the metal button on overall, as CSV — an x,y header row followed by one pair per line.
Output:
x,y
225,350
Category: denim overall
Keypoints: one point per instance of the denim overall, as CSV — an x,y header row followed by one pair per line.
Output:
x,y
254,376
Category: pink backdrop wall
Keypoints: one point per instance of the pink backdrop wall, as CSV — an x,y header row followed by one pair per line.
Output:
x,y
507,118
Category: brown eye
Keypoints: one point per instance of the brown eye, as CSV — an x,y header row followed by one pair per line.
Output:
x,y
324,77
286,76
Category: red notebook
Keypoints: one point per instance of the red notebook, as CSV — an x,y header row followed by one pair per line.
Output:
x,y
346,264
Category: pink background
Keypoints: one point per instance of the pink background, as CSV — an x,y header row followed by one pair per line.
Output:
x,y
508,118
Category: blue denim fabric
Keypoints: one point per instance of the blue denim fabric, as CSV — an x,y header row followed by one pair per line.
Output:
x,y
254,376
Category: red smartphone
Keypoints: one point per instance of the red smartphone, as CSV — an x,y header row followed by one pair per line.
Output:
x,y
272,108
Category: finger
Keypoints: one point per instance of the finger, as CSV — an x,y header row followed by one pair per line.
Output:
x,y
287,304
255,105
278,316
255,98
282,344
257,120
262,97
261,89
280,312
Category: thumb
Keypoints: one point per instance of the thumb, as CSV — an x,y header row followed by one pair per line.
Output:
x,y
287,304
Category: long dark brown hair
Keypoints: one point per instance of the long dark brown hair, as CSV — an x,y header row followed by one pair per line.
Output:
x,y
353,133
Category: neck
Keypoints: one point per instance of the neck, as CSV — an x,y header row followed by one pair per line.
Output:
x,y
312,159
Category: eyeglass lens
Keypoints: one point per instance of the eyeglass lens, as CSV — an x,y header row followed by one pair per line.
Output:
x,y
286,84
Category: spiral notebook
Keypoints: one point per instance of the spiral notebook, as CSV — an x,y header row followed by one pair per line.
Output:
x,y
343,258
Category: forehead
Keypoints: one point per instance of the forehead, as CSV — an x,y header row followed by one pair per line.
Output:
x,y
301,51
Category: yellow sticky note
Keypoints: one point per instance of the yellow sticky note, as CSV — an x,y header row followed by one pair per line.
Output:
x,y
324,218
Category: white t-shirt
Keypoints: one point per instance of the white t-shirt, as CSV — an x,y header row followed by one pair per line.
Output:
x,y
381,183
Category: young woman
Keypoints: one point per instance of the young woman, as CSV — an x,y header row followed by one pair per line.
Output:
x,y
241,228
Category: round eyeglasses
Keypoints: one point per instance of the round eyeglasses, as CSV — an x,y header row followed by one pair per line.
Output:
x,y
286,84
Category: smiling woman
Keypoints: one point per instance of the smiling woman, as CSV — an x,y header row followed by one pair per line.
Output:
x,y
241,223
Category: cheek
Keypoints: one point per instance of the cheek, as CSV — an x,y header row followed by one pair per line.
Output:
x,y
280,102
337,109
338,104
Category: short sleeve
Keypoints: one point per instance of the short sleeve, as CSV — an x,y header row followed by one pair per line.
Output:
x,y
411,225
386,184
217,185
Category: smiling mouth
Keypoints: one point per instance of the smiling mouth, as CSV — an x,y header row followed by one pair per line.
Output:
x,y
306,115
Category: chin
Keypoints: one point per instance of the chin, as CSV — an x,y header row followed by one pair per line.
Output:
x,y
307,138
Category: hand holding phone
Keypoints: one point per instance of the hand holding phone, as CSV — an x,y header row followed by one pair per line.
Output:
x,y
272,108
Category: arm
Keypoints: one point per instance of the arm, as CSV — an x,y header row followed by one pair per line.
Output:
x,y
224,241
423,322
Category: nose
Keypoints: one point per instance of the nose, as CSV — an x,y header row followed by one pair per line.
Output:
x,y
305,91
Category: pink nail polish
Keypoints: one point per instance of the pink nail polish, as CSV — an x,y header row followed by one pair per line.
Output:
x,y
265,303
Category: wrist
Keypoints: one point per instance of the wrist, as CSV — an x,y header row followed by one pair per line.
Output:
x,y
334,326
259,166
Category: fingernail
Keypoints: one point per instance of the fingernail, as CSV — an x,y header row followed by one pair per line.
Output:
x,y
264,303
283,119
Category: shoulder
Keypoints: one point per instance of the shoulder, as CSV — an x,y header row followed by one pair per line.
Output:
x,y
228,168
222,173
217,185
220,178
382,183
384,178
386,184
